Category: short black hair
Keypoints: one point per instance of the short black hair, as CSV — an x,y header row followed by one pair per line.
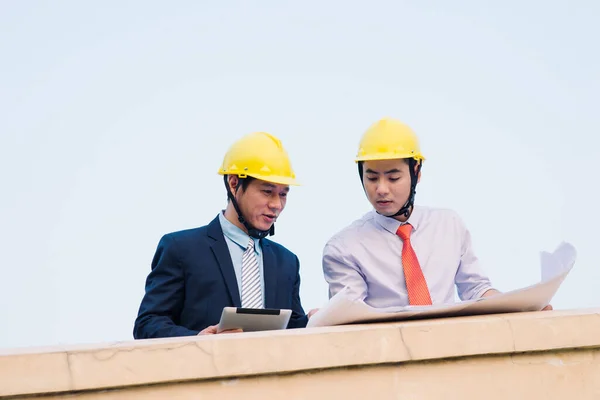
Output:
x,y
243,183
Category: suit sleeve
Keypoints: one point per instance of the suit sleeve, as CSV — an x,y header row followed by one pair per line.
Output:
x,y
298,319
162,303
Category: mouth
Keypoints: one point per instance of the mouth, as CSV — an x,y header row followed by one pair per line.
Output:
x,y
270,217
384,203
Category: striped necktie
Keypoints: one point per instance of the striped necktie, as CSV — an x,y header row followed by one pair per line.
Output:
x,y
251,288
418,293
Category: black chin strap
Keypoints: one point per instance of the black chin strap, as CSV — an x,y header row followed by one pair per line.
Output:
x,y
414,175
252,232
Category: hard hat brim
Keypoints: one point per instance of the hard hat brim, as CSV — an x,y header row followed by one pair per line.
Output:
x,y
392,156
280,180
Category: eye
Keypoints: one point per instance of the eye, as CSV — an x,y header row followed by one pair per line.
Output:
x,y
283,194
371,178
267,192
394,179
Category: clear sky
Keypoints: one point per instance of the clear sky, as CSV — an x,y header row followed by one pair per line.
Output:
x,y
115,115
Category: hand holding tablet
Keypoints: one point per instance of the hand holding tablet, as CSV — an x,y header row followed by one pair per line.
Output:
x,y
253,319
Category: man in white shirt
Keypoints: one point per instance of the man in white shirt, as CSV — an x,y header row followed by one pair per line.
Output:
x,y
399,253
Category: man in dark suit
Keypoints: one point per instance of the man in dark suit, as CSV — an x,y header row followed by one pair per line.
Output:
x,y
229,262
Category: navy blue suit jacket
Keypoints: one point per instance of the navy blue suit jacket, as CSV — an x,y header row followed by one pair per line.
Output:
x,y
192,279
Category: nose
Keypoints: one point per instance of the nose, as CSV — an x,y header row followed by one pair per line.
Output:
x,y
275,203
381,189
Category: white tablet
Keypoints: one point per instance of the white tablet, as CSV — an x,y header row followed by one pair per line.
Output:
x,y
253,319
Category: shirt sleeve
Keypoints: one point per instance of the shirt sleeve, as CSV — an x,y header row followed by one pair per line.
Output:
x,y
471,281
341,272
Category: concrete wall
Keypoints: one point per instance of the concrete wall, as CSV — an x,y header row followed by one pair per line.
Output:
x,y
544,355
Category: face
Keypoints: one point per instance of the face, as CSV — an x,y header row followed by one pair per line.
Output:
x,y
260,202
387,184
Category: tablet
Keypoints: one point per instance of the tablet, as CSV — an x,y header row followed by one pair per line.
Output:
x,y
253,319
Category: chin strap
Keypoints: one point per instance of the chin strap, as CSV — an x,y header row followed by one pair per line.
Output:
x,y
414,175
252,232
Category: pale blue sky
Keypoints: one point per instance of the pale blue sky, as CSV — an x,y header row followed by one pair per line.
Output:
x,y
115,116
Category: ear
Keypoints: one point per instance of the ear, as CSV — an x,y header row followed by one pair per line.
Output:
x,y
418,176
233,182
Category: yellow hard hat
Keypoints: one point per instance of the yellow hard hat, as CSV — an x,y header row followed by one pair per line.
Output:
x,y
261,156
389,139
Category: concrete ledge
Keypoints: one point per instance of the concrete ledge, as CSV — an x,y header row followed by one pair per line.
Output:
x,y
569,374
162,361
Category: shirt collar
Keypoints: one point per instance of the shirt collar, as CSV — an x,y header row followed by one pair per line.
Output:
x,y
391,224
235,234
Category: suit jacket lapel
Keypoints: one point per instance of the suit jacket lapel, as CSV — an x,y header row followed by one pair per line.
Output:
x,y
221,252
270,274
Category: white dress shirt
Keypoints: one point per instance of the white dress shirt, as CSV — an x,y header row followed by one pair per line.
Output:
x,y
366,256
237,241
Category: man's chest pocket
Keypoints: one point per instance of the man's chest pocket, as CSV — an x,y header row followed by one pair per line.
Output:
x,y
439,269
204,280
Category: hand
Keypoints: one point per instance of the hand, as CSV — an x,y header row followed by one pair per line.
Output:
x,y
212,330
312,312
547,308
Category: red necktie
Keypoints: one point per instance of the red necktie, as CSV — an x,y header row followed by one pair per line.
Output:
x,y
418,293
